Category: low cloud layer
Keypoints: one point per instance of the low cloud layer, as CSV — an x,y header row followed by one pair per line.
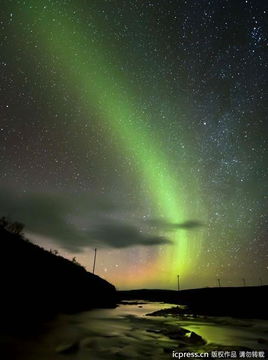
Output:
x,y
77,221
164,225
74,222
116,234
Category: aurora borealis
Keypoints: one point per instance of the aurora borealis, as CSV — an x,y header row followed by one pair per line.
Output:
x,y
137,127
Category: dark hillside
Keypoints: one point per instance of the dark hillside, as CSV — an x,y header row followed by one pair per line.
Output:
x,y
36,282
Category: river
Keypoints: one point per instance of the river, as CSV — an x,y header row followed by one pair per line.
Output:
x,y
127,333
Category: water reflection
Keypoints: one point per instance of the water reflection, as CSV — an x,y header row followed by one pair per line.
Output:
x,y
126,333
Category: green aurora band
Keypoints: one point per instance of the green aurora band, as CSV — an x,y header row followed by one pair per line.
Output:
x,y
101,84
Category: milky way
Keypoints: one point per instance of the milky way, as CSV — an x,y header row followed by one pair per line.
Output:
x,y
138,127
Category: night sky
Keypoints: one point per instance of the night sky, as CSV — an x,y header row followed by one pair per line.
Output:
x,y
138,127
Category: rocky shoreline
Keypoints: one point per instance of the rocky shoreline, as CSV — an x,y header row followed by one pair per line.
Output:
x,y
238,302
190,342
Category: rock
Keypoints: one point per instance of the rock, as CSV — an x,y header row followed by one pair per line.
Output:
x,y
176,333
155,331
262,341
68,348
196,339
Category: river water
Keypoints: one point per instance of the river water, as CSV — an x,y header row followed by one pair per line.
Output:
x,y
127,333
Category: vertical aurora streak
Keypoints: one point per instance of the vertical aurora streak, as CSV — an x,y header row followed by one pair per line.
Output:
x,y
101,83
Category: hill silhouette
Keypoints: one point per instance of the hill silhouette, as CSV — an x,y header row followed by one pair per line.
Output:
x,y
36,283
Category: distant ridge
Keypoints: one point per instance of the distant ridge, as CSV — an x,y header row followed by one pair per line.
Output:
x,y
245,302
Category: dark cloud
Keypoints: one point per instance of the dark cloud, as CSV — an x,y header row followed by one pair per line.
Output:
x,y
73,222
120,235
162,224
44,214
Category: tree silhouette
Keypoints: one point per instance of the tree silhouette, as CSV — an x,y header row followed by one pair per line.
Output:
x,y
3,221
15,227
76,262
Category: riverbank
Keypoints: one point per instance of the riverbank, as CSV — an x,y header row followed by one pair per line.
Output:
x,y
238,302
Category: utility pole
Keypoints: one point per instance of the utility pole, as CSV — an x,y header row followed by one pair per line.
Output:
x,y
219,282
244,281
94,263
260,279
178,276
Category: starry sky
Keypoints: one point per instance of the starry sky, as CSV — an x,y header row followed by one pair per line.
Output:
x,y
138,128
